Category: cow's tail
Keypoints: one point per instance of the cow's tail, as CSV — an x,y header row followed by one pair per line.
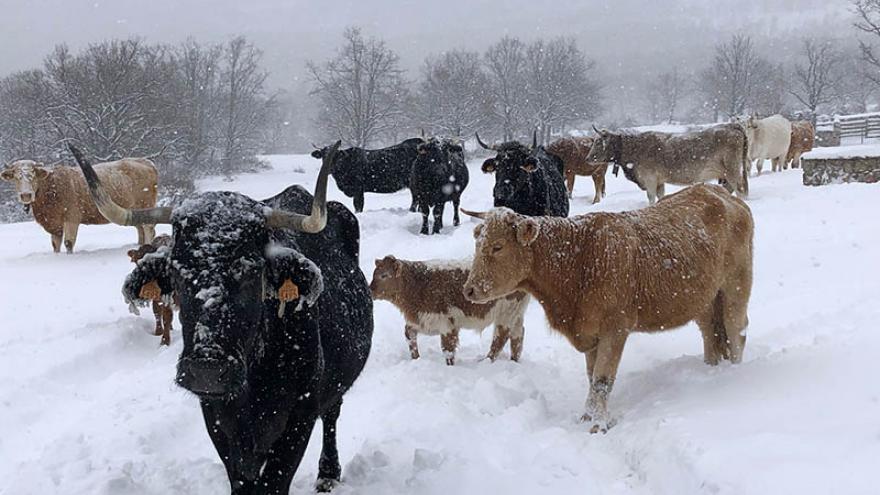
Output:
x,y
746,165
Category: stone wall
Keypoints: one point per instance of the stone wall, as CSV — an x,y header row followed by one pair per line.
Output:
x,y
820,171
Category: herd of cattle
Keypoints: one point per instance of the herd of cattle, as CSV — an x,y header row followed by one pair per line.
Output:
x,y
277,316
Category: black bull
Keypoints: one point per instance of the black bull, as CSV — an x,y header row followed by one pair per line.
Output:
x,y
385,170
277,321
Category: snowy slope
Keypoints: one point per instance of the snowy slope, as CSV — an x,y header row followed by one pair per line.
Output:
x,y
88,404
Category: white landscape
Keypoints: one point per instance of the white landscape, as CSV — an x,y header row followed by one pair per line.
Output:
x,y
88,402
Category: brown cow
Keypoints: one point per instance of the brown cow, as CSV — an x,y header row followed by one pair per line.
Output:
x,y
163,306
802,136
61,202
653,159
429,294
573,151
688,258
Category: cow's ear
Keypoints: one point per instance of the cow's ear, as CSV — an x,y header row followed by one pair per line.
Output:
x,y
478,231
318,154
41,171
488,166
527,230
291,274
530,165
8,174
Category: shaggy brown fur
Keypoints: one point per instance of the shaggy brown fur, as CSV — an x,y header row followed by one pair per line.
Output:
x,y
653,159
573,151
802,136
688,258
61,200
430,297
163,309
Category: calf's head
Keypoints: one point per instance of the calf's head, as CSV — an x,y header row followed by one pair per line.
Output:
x,y
387,283
224,268
503,256
606,148
28,177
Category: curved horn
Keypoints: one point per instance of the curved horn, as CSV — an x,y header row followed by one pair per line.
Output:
x,y
317,220
484,145
111,210
476,214
596,129
535,138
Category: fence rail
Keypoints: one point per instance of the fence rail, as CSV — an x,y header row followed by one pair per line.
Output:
x,y
862,126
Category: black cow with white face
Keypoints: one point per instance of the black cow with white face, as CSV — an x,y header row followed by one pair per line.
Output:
x,y
276,315
528,180
383,171
439,174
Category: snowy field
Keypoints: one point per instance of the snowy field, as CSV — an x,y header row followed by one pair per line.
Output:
x,y
88,404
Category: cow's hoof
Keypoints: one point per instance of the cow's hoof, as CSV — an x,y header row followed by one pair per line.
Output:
x,y
423,232
450,361
597,425
325,485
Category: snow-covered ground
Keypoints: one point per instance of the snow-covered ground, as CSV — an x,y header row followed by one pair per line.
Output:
x,y
88,404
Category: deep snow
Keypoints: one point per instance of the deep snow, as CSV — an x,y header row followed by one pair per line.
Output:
x,y
88,403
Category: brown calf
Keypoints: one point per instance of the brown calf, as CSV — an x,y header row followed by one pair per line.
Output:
x,y
573,151
802,136
429,294
163,308
603,275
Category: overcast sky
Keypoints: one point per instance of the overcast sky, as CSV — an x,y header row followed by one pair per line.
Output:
x,y
622,35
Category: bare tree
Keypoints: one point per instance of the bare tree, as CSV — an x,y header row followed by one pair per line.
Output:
x,y
361,90
505,63
663,95
818,81
559,88
869,22
452,98
246,105
25,130
730,84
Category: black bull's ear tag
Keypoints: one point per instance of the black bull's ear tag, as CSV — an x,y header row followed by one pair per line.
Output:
x,y
286,293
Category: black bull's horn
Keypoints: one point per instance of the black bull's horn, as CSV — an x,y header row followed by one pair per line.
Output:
x,y
484,145
312,223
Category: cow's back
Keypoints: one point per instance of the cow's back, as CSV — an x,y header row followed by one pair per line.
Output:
x,y
770,139
802,136
681,251
388,170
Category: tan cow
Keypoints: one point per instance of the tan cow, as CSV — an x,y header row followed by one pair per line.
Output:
x,y
61,202
429,294
603,275
573,151
802,136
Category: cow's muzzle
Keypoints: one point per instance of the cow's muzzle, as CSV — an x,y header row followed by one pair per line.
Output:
x,y
474,294
212,379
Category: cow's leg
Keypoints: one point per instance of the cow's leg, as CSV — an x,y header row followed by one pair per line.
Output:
x,y
359,202
651,190
759,165
70,230
448,343
425,209
329,470
286,455
599,185
712,352
734,313
56,241
141,236
499,339
455,202
661,190
149,233
608,356
167,318
412,339
438,216
159,315
517,333
569,181
796,162
414,204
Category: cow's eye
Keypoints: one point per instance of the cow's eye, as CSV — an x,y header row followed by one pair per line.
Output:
x,y
496,248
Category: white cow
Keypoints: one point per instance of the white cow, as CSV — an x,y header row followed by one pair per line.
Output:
x,y
769,139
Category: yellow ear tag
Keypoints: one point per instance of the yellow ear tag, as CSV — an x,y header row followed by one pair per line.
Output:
x,y
286,293
151,291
